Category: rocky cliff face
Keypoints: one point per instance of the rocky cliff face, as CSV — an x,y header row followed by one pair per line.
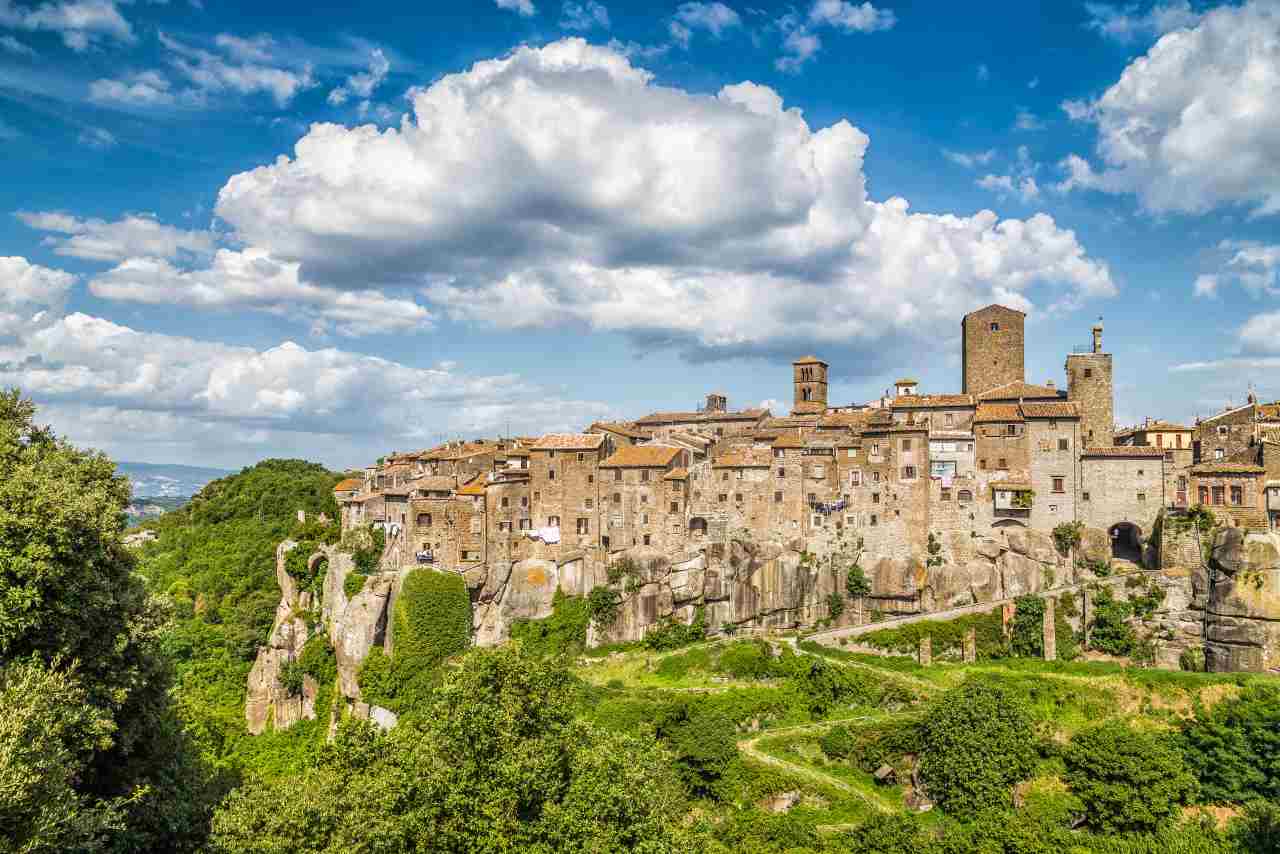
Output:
x,y
1242,626
355,625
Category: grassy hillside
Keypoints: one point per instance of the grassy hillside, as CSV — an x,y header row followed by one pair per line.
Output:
x,y
215,558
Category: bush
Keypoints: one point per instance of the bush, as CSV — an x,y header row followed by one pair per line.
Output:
x,y
702,739
1028,627
1128,780
947,635
977,741
1111,632
747,660
671,634
856,584
563,633
835,606
1066,536
291,678
838,743
603,606
1234,748
353,584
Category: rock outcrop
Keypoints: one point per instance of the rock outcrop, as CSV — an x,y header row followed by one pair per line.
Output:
x,y
267,702
1242,626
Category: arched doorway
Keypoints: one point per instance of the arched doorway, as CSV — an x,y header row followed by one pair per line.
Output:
x,y
1126,542
698,526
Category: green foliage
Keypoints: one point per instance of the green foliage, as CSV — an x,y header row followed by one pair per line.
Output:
x,y
1145,604
1258,828
367,548
747,659
497,764
1129,781
1234,748
1111,632
835,605
701,738
353,584
563,633
977,741
291,676
856,583
603,605
947,635
838,743
432,623
669,633
1100,568
1192,659
1067,535
1027,635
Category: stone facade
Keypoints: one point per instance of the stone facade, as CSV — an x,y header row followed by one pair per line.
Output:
x,y
1089,385
810,385
992,343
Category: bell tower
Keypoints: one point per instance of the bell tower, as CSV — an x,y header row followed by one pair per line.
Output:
x,y
810,381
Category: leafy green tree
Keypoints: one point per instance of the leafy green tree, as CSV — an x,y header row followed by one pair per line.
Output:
x,y
977,741
1234,748
1128,780
1111,632
498,765
835,605
702,738
1028,627
856,583
838,743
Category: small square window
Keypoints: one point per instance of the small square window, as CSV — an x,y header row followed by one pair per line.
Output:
x,y
1142,496
1059,484
1064,444
995,327
1084,496
777,497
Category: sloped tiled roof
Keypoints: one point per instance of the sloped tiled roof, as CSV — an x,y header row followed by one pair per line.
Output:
x,y
642,456
433,483
807,360
1064,409
569,442
1162,427
1224,467
789,440
782,422
989,412
1121,451
474,487
1019,390
932,401
348,485
676,474
620,429
697,417
745,458
995,305
850,420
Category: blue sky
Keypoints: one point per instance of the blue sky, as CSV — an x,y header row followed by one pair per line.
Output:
x,y
229,231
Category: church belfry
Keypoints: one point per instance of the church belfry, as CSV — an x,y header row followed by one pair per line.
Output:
x,y
810,381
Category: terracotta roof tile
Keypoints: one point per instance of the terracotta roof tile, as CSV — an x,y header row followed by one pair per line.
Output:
x,y
1223,467
932,401
1020,391
569,442
989,412
1120,451
789,440
676,474
434,483
1161,427
745,458
348,485
1064,409
642,456
620,429
474,487
700,417
807,360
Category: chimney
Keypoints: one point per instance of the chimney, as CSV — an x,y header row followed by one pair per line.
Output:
x,y
1097,336
1049,384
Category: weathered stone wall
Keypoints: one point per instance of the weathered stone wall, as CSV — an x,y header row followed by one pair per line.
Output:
x,y
1121,489
1089,385
1052,447
1243,623
992,357
1228,432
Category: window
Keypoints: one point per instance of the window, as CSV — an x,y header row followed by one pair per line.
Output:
x,y
617,475
644,518
504,526
722,497
506,502
591,478
875,477
1011,429
551,474
1088,372
777,497
948,418
604,541
908,472
855,478
1004,464
1218,453
1059,484
982,464
526,524
964,496
724,475
874,519
537,496
1159,440
646,539
644,475
1204,495
589,503
424,520
1064,444
1142,496
617,498
1219,493
524,501
553,455
995,327
553,521
875,498
1053,424
581,456
1179,440
644,499
819,472
778,453
906,444
584,526
1237,495
946,494
782,473
1222,430
1084,496
813,498
1140,472
675,506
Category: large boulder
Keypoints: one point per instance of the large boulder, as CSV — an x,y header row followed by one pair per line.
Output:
x,y
951,586
1243,621
1095,546
359,627
984,580
1020,575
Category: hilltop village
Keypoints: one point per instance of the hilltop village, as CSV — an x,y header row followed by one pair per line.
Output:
x,y
912,475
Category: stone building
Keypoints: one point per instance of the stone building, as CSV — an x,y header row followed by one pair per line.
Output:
x,y
992,345
1122,493
1228,433
1053,443
642,508
564,482
717,423
809,383
1089,384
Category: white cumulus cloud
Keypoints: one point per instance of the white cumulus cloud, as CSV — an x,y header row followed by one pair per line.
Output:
x,y
1126,23
363,84
1192,125
100,240
80,23
559,185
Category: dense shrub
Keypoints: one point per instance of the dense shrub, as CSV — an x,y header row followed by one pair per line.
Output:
x,y
672,634
1110,631
856,583
1027,634
1234,748
947,635
353,584
748,659
562,633
702,739
977,740
838,743
603,606
1128,780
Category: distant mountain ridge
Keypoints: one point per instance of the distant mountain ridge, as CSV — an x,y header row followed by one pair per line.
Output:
x,y
160,480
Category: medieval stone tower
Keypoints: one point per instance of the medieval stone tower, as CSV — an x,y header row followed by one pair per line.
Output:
x,y
1089,385
992,344
810,383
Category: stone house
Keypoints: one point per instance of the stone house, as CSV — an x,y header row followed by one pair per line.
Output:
x,y
1089,386
1235,490
564,472
622,434
639,509
1223,436
1122,492
1053,441
1000,440
712,422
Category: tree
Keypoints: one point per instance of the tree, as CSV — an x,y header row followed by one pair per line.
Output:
x,y
1128,780
701,736
1234,748
498,764
978,741
77,626
856,584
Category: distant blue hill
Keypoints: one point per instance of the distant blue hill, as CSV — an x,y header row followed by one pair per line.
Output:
x,y
156,480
